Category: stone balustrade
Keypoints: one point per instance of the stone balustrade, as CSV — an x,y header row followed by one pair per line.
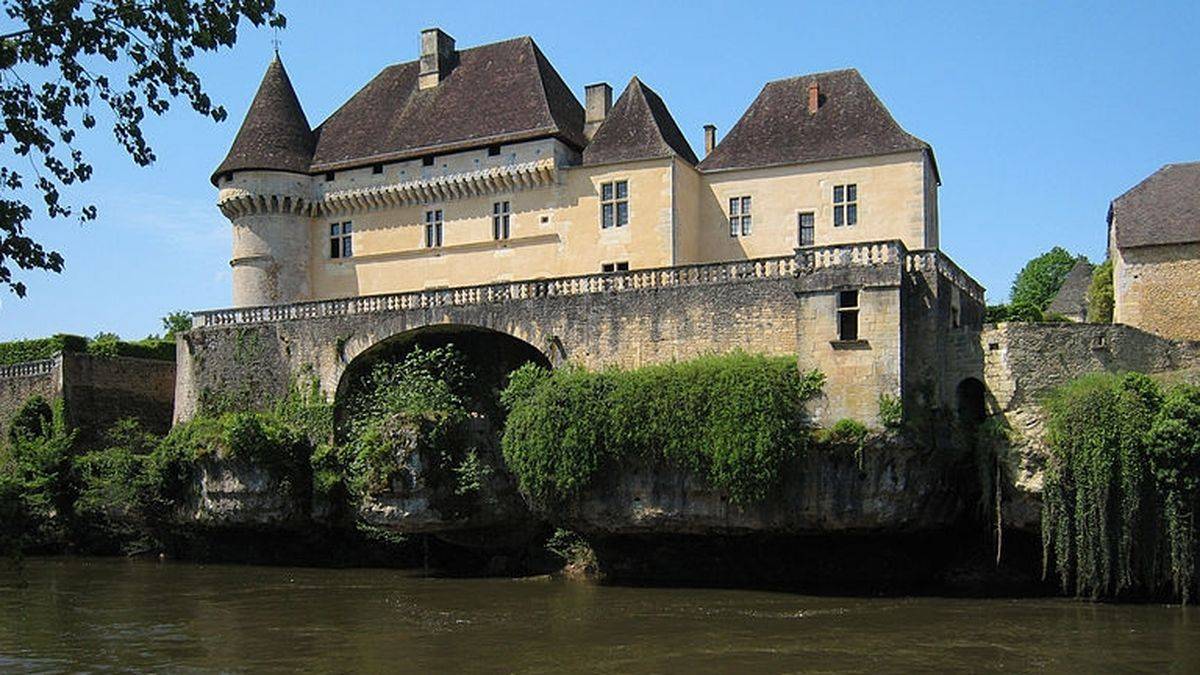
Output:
x,y
847,255
619,282
29,368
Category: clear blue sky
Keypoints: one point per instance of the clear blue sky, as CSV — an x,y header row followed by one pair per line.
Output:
x,y
1039,114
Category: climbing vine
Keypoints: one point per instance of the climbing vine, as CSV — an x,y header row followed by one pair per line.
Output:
x,y
1125,458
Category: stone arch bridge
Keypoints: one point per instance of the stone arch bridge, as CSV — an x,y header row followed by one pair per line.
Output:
x,y
627,319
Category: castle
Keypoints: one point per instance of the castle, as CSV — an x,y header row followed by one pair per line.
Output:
x,y
478,167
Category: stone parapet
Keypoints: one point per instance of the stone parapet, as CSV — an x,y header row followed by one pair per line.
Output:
x,y
620,282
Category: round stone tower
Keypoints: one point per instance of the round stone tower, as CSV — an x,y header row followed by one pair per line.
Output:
x,y
266,192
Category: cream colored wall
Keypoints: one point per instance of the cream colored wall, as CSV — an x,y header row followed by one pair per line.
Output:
x,y
1157,289
893,203
689,184
389,252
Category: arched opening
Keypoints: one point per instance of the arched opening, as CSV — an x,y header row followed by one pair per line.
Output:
x,y
972,402
489,356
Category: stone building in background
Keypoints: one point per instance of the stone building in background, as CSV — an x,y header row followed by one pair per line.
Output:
x,y
1154,243
1071,300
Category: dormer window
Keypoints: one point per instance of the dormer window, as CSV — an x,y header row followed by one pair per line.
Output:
x,y
340,236
845,205
614,204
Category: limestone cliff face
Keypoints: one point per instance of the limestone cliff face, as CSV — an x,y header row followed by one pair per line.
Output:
x,y
898,488
235,493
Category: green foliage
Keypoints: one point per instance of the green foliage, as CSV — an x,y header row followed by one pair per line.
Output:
x,y
1041,278
35,478
397,409
847,433
572,548
734,420
1125,459
1100,294
68,66
1012,313
891,411
175,323
20,351
108,345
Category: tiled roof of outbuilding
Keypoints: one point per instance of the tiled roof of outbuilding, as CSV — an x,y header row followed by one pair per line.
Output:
x,y
778,129
275,134
498,93
1163,209
1071,299
639,126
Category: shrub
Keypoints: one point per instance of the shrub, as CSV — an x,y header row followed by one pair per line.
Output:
x,y
21,351
1100,294
35,478
735,420
1014,313
891,411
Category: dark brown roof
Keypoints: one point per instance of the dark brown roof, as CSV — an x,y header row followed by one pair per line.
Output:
x,y
1163,209
1071,299
275,134
778,129
639,126
502,92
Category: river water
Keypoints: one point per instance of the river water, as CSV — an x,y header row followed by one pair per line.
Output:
x,y
67,614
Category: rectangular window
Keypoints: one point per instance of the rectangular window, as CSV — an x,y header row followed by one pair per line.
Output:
x,y
329,176
427,160
493,150
376,168
847,315
739,216
806,235
340,235
614,204
845,205
433,228
500,218
609,268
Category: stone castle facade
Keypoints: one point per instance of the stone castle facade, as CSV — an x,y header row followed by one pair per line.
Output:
x,y
478,168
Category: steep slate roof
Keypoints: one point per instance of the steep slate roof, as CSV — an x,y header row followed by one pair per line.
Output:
x,y
275,134
1163,209
778,129
639,126
1071,299
502,92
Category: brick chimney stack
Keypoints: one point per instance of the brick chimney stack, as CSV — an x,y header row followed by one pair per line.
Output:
x,y
438,57
814,97
710,138
597,103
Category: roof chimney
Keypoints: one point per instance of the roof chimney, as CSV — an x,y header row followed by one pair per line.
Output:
x,y
597,103
710,138
438,57
814,97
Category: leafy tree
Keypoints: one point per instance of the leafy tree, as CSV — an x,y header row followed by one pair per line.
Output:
x,y
1100,294
1038,282
70,57
175,323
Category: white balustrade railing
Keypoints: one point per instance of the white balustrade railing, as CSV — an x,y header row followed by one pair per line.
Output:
x,y
618,282
28,368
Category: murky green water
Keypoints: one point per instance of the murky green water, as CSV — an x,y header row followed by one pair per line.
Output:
x,y
98,614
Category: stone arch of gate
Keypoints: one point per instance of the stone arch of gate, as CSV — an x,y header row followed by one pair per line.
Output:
x,y
490,355
971,401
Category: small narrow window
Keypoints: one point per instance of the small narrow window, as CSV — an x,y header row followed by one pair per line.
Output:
x,y
845,205
806,234
329,176
433,228
493,151
623,267
847,315
608,268
377,168
739,216
341,240
614,204
427,160
500,220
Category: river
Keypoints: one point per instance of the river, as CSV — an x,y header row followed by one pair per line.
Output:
x,y
71,614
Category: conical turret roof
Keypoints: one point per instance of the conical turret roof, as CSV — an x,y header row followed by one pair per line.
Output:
x,y
639,126
275,134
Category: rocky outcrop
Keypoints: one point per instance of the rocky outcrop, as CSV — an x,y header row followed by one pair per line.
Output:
x,y
897,488
236,493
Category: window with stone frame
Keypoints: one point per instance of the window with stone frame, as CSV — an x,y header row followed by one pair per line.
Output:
x,y
845,204
806,231
340,240
847,315
501,213
433,228
739,216
610,268
614,204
